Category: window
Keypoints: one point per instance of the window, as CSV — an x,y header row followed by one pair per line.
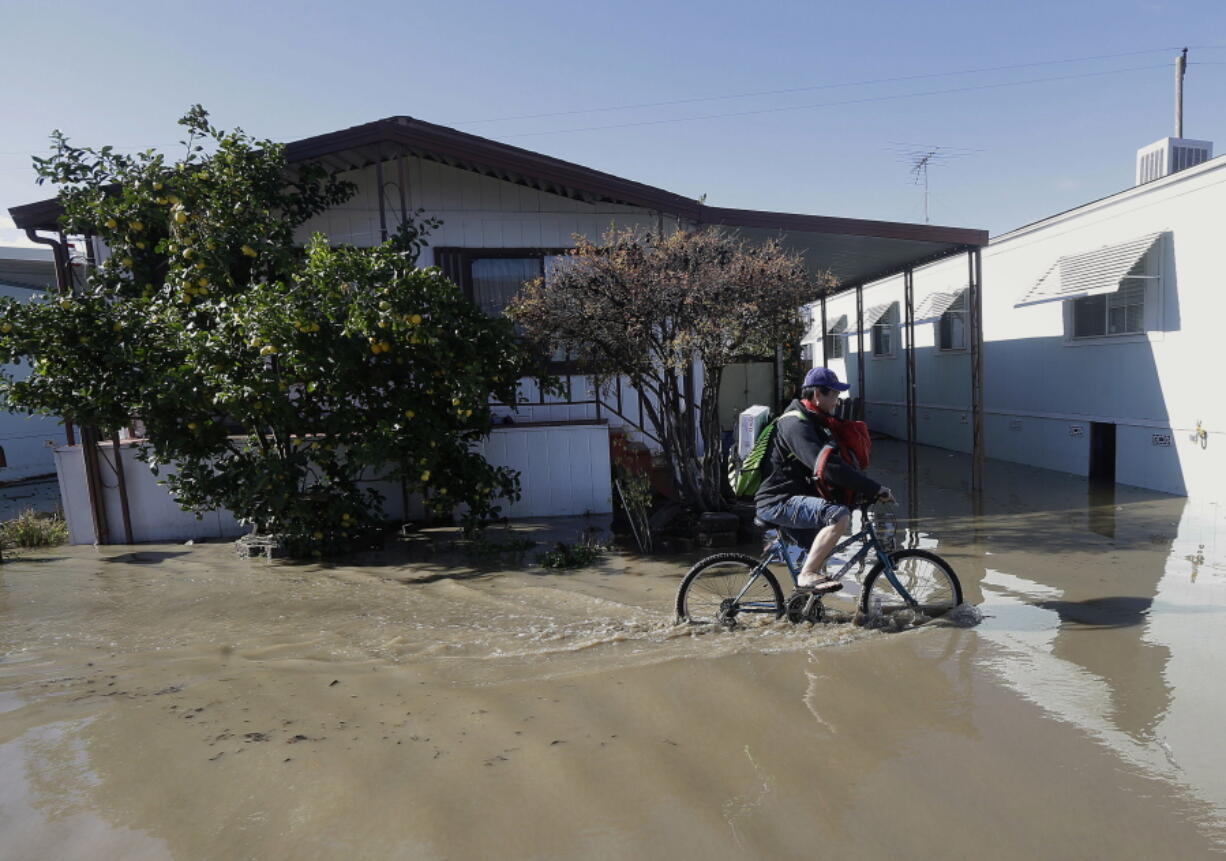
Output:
x,y
882,335
1118,313
495,280
951,325
834,339
490,277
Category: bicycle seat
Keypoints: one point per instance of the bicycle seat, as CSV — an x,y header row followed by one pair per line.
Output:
x,y
803,537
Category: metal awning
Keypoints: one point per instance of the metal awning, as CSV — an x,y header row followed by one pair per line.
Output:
x,y
876,312
833,327
1092,273
936,304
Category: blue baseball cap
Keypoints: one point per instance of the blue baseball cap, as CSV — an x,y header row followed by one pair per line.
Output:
x,y
825,378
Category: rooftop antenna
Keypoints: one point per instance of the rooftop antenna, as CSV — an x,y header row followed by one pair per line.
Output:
x,y
921,157
919,167
1181,66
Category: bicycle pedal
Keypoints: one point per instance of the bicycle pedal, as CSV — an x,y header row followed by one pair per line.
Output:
x,y
805,606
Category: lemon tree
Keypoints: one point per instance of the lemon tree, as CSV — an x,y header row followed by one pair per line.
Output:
x,y
274,380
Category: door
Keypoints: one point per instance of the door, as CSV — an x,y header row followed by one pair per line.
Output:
x,y
1102,452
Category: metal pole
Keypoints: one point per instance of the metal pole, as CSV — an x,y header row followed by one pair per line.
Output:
x,y
124,511
1181,65
860,351
912,430
382,208
825,357
975,294
404,205
908,280
93,484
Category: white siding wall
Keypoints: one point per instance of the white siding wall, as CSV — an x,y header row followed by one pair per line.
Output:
x,y
1038,384
482,212
563,471
477,211
26,439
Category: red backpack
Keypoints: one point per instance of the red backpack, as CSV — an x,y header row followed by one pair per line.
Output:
x,y
855,447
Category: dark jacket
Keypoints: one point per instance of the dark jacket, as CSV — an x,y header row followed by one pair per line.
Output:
x,y
793,458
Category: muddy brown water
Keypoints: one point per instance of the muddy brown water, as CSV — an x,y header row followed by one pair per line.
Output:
x,y
175,702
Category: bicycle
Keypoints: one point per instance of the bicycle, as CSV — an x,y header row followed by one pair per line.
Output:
x,y
903,587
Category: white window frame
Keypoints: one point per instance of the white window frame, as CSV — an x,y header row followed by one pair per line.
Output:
x,y
1151,309
959,309
836,342
888,328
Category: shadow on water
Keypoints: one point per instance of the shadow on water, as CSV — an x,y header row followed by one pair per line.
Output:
x,y
1108,612
145,557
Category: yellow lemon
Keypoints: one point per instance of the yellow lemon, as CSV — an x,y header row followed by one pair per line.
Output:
x,y
112,223
180,217
249,251
425,476
408,414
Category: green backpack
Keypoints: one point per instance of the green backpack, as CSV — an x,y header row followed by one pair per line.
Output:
x,y
746,476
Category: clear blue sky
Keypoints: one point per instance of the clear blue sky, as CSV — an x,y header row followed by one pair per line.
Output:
x,y
836,144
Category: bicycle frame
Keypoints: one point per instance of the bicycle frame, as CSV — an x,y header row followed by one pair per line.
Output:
x,y
776,551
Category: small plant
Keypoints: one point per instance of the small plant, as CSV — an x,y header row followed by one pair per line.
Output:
x,y
33,529
578,555
634,487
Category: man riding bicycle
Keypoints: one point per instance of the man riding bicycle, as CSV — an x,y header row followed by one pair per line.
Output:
x,y
804,450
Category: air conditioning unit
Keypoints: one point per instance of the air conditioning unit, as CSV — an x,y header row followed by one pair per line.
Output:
x,y
1170,155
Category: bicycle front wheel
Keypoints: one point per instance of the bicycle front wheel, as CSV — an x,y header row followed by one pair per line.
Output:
x,y
729,589
927,579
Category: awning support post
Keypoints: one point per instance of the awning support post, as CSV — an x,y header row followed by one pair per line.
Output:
x,y
908,280
825,358
975,296
860,352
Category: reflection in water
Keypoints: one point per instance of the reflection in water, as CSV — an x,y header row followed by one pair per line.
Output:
x,y
1101,508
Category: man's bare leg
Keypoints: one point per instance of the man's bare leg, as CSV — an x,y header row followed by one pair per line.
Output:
x,y
823,544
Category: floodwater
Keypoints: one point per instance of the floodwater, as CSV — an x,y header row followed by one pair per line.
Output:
x,y
175,702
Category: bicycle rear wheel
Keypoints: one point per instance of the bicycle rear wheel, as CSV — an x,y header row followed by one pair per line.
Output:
x,y
709,593
926,577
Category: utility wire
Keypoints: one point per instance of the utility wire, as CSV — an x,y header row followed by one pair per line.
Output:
x,y
864,100
813,87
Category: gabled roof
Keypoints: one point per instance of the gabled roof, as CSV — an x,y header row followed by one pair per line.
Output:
x,y
855,250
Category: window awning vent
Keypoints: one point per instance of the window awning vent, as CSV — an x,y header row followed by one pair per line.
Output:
x,y
1092,273
834,325
936,304
874,315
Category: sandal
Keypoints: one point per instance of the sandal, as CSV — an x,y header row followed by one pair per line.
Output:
x,y
821,586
